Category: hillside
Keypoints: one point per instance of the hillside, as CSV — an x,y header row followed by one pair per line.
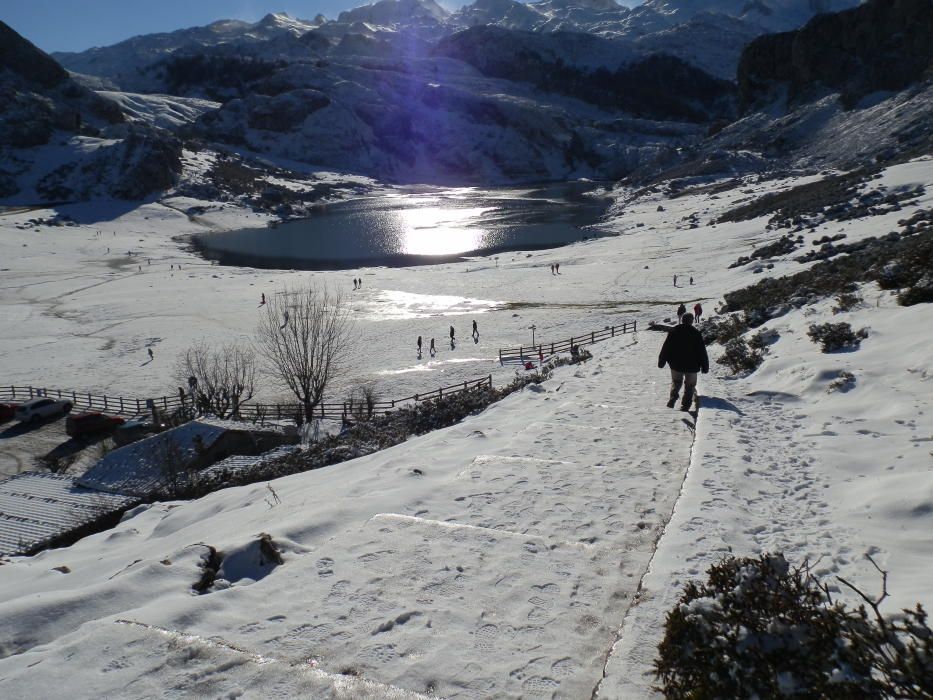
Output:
x,y
522,548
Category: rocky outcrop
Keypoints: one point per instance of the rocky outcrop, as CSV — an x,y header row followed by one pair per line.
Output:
x,y
881,45
26,60
658,86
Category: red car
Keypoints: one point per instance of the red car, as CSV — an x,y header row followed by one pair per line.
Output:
x,y
7,411
91,423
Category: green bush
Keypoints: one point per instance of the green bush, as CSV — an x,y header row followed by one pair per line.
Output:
x,y
759,628
835,336
722,329
739,357
846,301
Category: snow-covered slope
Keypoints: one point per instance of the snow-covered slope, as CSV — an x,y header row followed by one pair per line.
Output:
x,y
501,556
126,63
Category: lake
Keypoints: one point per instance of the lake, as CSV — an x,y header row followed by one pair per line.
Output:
x,y
416,228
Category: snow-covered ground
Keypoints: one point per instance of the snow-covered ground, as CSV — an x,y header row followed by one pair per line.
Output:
x,y
496,558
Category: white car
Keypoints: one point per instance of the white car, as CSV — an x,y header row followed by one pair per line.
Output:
x,y
41,407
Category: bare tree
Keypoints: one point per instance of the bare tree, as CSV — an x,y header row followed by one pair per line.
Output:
x,y
304,335
226,376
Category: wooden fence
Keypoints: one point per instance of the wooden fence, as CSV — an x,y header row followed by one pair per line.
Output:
x,y
528,352
127,406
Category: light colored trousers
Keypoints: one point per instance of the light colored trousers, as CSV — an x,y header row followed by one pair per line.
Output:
x,y
689,382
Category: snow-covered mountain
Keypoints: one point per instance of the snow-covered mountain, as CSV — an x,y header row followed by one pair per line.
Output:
x,y
61,141
403,91
124,64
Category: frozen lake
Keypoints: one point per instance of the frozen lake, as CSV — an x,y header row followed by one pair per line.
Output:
x,y
415,228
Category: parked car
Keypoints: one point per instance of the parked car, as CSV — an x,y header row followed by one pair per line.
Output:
x,y
91,423
7,411
136,428
41,407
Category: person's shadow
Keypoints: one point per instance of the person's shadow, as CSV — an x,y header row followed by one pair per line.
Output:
x,y
716,403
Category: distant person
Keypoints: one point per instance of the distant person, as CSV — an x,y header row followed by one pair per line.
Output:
x,y
451,332
262,299
691,282
151,356
675,280
557,268
681,310
552,268
419,346
697,311
360,283
475,329
433,350
685,352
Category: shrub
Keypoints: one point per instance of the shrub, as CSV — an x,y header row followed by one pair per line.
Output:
x,y
835,336
739,357
761,628
843,382
846,301
722,329
763,339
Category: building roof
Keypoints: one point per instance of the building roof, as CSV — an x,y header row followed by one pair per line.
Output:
x,y
36,508
140,468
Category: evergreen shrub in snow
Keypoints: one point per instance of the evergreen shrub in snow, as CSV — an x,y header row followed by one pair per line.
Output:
x,y
835,336
759,628
846,301
739,357
722,329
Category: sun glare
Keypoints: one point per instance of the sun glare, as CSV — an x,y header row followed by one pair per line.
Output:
x,y
441,230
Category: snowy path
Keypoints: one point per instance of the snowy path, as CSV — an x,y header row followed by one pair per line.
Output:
x,y
504,569
776,501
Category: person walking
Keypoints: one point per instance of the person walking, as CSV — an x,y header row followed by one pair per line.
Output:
x,y
419,346
552,268
451,332
691,282
681,310
685,352
151,356
433,350
557,268
475,330
697,311
675,280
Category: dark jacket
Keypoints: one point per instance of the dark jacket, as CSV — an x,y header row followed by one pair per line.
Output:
x,y
684,350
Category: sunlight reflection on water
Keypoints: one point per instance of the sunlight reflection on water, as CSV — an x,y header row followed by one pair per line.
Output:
x,y
390,304
410,229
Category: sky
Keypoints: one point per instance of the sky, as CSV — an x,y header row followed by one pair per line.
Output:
x,y
63,25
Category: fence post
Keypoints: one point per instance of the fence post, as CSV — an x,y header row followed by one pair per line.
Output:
x,y
121,405
74,398
137,407
552,348
105,404
500,356
634,326
440,393
490,381
613,331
